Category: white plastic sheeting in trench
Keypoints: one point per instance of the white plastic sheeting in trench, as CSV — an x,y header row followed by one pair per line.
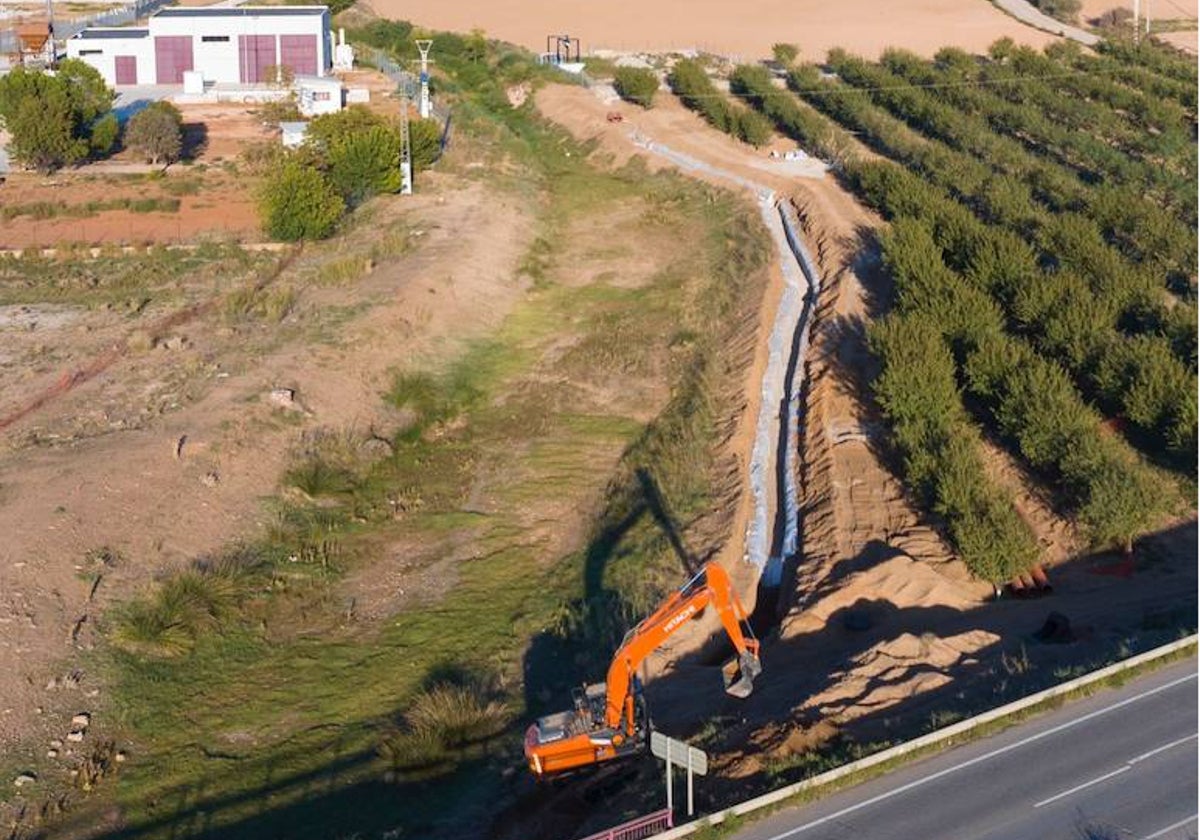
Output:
x,y
774,460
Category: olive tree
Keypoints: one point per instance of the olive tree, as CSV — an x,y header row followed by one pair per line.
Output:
x,y
156,133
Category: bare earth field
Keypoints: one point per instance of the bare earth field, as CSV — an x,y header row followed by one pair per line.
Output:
x,y
861,26
1184,39
102,465
1159,9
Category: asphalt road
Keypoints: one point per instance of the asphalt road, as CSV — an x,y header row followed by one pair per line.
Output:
x,y
1120,765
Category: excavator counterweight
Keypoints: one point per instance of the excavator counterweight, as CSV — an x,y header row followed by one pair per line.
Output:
x,y
609,719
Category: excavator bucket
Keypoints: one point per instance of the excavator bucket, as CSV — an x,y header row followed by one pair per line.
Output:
x,y
739,674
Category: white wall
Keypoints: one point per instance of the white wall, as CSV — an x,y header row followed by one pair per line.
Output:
x,y
220,61
100,52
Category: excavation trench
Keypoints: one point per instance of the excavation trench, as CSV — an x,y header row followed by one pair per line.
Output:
x,y
772,539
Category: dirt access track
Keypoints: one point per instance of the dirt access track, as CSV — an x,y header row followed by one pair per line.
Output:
x,y
861,26
880,619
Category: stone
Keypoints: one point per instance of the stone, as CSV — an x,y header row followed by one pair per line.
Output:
x,y
210,479
81,720
25,779
283,398
56,743
51,753
75,737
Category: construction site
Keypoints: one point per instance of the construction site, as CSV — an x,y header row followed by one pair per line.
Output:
x,y
726,402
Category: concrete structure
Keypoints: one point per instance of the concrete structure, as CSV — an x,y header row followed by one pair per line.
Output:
x,y
294,134
317,95
233,45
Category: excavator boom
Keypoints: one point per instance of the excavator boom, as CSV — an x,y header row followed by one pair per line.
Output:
x,y
609,720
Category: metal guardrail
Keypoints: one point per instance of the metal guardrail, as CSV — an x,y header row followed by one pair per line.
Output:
x,y
933,738
639,829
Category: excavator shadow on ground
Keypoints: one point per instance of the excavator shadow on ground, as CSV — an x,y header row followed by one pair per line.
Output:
x,y
557,661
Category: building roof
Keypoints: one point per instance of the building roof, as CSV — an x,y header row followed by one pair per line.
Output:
x,y
92,34
240,11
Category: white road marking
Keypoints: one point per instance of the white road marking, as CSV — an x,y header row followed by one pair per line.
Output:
x,y
1127,766
1163,748
1078,788
1171,828
791,832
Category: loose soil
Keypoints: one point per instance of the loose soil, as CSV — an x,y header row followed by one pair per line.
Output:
x,y
1160,9
860,26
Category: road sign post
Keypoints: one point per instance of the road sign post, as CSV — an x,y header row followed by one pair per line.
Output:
x,y
677,752
670,786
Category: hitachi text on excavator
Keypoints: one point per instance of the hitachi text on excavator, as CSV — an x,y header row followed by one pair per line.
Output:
x,y
610,719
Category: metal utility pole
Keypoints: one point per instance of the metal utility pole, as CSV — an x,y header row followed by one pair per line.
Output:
x,y
423,46
1136,9
1147,18
406,182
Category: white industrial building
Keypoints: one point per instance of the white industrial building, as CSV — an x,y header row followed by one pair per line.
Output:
x,y
233,45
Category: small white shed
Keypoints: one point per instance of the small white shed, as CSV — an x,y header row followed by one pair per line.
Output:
x,y
317,95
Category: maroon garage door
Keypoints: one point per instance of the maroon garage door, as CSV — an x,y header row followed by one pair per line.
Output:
x,y
300,53
126,69
172,58
256,53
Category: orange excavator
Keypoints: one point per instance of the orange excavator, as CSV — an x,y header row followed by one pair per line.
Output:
x,y
610,719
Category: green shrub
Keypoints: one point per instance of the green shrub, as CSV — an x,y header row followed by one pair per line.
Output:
x,y
298,202
753,128
365,164
636,84
168,624
105,132
456,714
327,130
785,54
1064,10
51,117
441,722
425,138
156,133
280,111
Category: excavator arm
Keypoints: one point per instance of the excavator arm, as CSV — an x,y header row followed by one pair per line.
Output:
x,y
605,723
710,585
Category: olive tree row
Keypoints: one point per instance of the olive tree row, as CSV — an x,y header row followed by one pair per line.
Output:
x,y
690,82
1029,397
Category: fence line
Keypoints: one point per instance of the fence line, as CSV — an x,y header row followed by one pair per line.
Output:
x,y
639,829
